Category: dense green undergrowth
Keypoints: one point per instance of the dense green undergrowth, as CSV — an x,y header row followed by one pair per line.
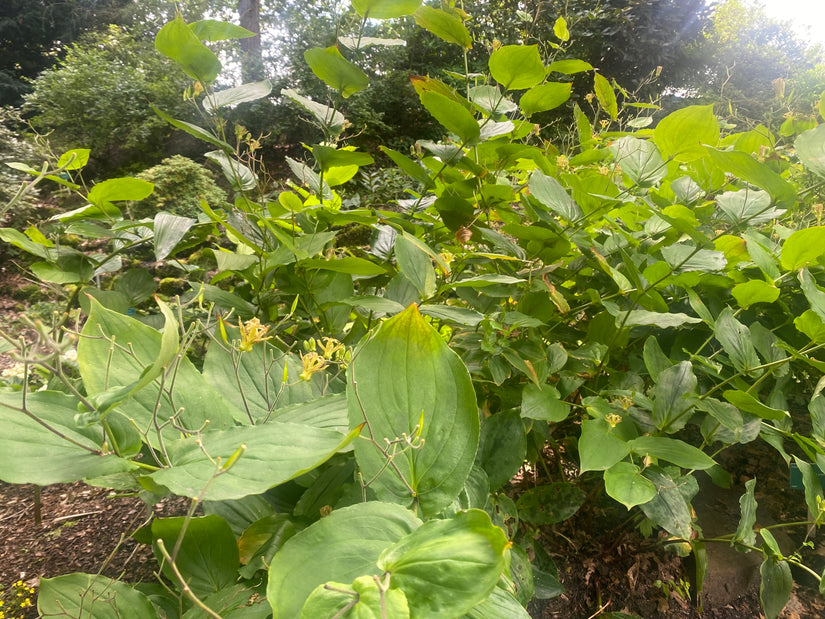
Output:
x,y
626,307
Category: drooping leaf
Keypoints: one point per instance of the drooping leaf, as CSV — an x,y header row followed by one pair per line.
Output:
x,y
551,194
672,450
599,447
214,30
810,481
91,596
194,130
452,116
410,167
624,482
606,95
340,547
810,148
180,43
736,341
670,405
444,25
240,177
517,67
670,508
240,94
415,265
749,403
560,29
545,97
776,586
640,160
328,117
336,71
169,231
502,447
569,67
745,532
465,553
410,383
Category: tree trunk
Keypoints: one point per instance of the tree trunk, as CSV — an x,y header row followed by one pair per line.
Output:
x,y
252,64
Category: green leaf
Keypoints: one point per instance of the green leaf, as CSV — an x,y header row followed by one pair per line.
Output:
x,y
670,508
364,599
214,30
752,171
813,293
271,454
569,67
670,405
682,135
240,94
551,194
810,148
747,206
802,248
442,557
70,268
500,604
327,116
328,157
599,447
336,71
340,547
91,596
517,67
502,447
118,189
405,375
754,291
240,177
137,284
640,160
444,25
545,97
459,315
410,167
74,159
194,130
672,450
348,264
656,361
180,43
624,482
543,403
748,403
207,555
605,95
560,29
813,488
550,503
31,453
452,116
736,341
385,9
745,532
415,265
169,231
776,586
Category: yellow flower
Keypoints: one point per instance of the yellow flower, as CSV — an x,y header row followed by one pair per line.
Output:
x,y
313,363
613,419
252,332
330,347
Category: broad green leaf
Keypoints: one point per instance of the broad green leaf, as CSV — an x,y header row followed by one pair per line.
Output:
x,y
606,95
569,67
810,148
656,361
634,318
517,67
551,194
671,407
754,291
340,547
270,454
194,130
499,604
385,9
543,403
810,481
374,304
336,71
813,293
599,447
118,189
802,248
406,381
214,30
736,341
748,403
776,586
415,265
207,555
550,503
639,159
363,599
502,447
410,167
752,171
682,135
670,508
560,29
745,532
74,159
545,97
685,257
169,231
327,116
491,100
624,482
460,315
452,116
810,324
259,542
178,41
33,453
328,157
91,596
137,284
347,264
482,281
240,94
672,450
444,25
748,206
240,177
466,553
20,240
71,268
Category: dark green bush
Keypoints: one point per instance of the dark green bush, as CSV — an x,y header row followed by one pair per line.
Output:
x,y
180,184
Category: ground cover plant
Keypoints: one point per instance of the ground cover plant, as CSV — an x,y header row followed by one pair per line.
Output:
x,y
617,310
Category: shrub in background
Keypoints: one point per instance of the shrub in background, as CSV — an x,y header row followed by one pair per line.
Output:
x,y
180,184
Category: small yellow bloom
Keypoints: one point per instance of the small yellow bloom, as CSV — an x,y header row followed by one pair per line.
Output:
x,y
330,347
563,162
613,419
252,332
313,363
